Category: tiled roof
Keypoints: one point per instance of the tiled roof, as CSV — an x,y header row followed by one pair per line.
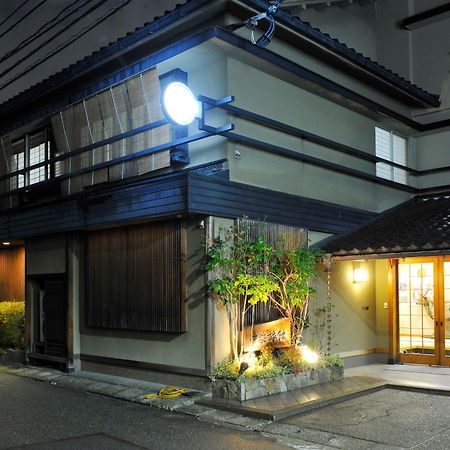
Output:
x,y
373,66
421,224
182,10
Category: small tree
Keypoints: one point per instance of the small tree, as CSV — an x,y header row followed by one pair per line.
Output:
x,y
241,280
293,271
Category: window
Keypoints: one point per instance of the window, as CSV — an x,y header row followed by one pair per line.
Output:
x,y
27,151
394,148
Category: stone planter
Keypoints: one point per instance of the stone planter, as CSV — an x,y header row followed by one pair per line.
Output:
x,y
254,388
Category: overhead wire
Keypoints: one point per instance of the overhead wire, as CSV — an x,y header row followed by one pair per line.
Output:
x,y
17,9
31,11
52,38
253,22
48,26
65,44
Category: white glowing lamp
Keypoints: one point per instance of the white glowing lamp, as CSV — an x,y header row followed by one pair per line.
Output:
x,y
179,103
359,275
310,356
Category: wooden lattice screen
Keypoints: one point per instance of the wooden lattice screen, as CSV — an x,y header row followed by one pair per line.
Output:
x,y
135,278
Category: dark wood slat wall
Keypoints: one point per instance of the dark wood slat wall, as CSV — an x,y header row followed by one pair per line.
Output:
x,y
227,199
155,198
134,278
12,274
180,194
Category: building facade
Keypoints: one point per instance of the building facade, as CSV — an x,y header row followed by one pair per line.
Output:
x,y
112,203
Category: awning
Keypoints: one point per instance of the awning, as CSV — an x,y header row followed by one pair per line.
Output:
x,y
418,227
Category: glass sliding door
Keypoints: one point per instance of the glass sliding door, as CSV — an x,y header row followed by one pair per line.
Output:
x,y
417,315
446,313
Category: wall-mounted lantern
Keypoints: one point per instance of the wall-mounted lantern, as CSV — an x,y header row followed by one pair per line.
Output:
x,y
360,274
179,103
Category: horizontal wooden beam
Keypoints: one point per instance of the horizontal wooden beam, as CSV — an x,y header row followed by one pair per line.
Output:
x,y
427,17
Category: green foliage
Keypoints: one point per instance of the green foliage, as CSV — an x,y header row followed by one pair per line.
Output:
x,y
269,366
262,372
290,358
333,360
239,268
225,370
294,270
12,324
266,356
246,272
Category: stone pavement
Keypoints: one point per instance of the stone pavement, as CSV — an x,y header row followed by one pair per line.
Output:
x,y
258,415
279,406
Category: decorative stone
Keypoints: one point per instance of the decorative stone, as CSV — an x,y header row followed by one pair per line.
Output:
x,y
254,388
272,386
324,375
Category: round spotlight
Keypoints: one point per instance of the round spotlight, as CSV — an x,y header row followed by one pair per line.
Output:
x,y
179,103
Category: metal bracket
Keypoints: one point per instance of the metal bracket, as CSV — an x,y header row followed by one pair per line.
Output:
x,y
210,103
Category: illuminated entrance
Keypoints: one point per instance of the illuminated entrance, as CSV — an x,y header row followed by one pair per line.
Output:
x,y
423,310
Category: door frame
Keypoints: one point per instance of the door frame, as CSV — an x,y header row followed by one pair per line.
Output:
x,y
395,355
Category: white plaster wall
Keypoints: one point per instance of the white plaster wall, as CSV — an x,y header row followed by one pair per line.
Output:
x,y
433,151
353,329
221,331
267,95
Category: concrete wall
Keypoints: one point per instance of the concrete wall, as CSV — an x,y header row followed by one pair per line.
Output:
x,y
185,350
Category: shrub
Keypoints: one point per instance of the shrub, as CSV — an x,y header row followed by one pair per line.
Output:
x,y
225,370
290,358
12,324
267,365
333,360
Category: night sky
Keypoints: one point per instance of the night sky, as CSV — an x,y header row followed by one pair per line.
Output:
x,y
132,15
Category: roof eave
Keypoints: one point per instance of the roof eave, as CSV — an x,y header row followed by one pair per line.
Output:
x,y
355,64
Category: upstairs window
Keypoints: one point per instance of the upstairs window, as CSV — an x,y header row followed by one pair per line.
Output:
x,y
391,147
27,151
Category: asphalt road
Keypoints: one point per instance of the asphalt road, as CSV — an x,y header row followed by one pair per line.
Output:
x,y
388,419
36,416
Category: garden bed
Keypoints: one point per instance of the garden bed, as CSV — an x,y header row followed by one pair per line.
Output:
x,y
254,388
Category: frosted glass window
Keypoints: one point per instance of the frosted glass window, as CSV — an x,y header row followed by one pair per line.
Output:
x,y
391,147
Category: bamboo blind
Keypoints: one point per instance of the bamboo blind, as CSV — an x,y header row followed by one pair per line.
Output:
x,y
121,108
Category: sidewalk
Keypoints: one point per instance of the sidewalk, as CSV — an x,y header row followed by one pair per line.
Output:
x,y
255,414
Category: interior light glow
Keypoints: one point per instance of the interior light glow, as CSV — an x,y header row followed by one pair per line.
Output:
x,y
179,103
6,243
